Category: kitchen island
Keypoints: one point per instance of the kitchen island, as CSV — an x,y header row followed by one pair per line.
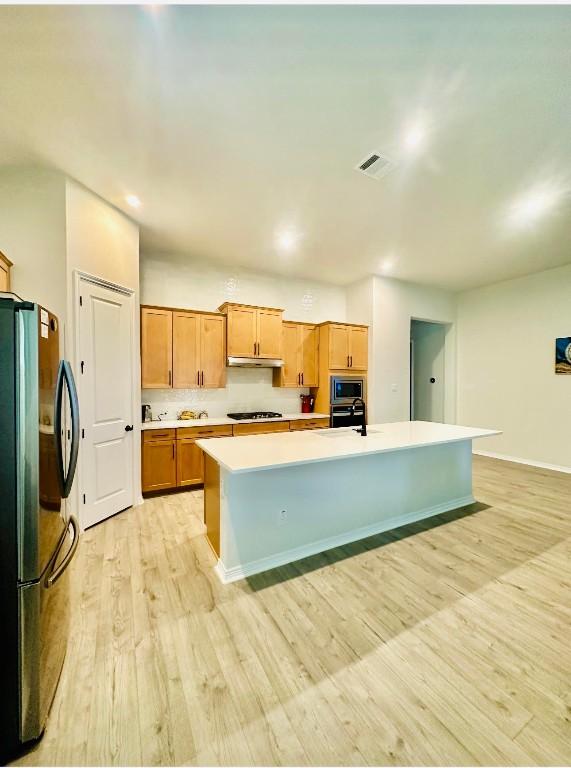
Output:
x,y
272,499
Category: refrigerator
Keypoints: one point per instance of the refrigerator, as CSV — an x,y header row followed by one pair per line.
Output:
x,y
39,439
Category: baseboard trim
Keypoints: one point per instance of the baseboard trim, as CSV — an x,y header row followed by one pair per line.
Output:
x,y
516,460
238,572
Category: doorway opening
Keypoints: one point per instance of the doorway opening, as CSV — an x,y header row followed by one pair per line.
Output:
x,y
427,370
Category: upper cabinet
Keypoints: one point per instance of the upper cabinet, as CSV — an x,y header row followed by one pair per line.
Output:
x,y
182,350
253,331
346,346
156,348
300,345
5,266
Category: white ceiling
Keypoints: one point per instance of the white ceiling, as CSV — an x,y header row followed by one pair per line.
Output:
x,y
234,123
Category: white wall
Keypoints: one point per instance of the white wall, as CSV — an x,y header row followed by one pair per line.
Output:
x,y
187,283
392,304
506,363
32,235
179,281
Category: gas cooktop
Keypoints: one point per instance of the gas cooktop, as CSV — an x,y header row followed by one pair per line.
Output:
x,y
254,415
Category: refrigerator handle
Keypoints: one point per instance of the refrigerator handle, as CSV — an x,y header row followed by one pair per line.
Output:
x,y
58,403
65,374
58,572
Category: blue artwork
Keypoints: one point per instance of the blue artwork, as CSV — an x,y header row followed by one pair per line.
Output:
x,y
563,355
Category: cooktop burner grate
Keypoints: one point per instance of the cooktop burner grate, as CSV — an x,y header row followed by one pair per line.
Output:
x,y
254,415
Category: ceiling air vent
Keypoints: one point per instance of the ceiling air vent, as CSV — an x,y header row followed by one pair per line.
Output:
x,y
375,165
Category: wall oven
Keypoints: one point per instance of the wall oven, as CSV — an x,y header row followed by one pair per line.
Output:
x,y
344,389
343,416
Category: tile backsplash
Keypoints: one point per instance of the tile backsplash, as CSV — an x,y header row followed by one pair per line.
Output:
x,y
247,389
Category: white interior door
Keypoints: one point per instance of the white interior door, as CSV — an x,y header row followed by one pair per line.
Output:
x,y
106,401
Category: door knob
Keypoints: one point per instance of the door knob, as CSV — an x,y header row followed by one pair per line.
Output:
x,y
432,380
129,428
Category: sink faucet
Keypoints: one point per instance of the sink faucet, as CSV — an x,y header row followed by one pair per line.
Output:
x,y
363,430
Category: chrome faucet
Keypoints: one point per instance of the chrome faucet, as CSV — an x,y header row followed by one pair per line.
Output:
x,y
363,430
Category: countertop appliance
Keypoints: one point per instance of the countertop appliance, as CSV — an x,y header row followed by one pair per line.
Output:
x,y
307,403
146,413
38,536
344,389
254,415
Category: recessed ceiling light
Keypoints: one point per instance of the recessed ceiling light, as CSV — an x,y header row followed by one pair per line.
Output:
x,y
415,135
387,264
534,205
287,240
133,201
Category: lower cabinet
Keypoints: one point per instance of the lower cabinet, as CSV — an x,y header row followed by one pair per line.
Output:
x,y
261,428
159,464
172,459
189,463
317,423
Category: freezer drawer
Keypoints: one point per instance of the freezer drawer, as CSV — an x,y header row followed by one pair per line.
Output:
x,y
44,629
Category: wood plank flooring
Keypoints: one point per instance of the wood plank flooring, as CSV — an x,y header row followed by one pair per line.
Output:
x,y
445,642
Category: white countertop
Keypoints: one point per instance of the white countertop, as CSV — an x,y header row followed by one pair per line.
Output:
x,y
256,452
219,420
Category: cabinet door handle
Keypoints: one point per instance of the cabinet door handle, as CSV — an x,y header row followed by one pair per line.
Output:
x,y
348,366
302,378
255,347
198,378
202,379
170,378
351,361
173,450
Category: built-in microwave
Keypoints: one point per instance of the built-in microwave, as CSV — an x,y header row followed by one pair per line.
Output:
x,y
344,389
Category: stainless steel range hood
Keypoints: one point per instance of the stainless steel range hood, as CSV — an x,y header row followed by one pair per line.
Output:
x,y
254,362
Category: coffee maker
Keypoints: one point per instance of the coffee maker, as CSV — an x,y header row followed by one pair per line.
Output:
x,y
146,414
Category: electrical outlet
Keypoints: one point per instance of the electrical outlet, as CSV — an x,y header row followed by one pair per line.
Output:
x,y
282,517
394,387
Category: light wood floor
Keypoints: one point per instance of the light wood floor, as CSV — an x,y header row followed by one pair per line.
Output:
x,y
446,642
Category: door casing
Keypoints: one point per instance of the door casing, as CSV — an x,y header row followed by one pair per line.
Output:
x,y
80,279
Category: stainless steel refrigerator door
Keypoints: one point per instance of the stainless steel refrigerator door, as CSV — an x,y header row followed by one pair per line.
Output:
x,y
41,513
44,628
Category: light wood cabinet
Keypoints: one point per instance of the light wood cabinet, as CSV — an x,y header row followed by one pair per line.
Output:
x,y
300,346
338,346
242,331
289,374
358,348
159,464
261,428
297,425
156,348
182,349
269,333
186,350
253,331
343,348
212,351
5,266
189,463
347,346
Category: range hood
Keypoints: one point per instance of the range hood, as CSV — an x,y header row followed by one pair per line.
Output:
x,y
254,362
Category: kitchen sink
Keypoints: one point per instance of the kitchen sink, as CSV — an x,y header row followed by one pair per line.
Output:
x,y
344,432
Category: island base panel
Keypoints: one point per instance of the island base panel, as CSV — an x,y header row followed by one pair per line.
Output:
x,y
272,517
